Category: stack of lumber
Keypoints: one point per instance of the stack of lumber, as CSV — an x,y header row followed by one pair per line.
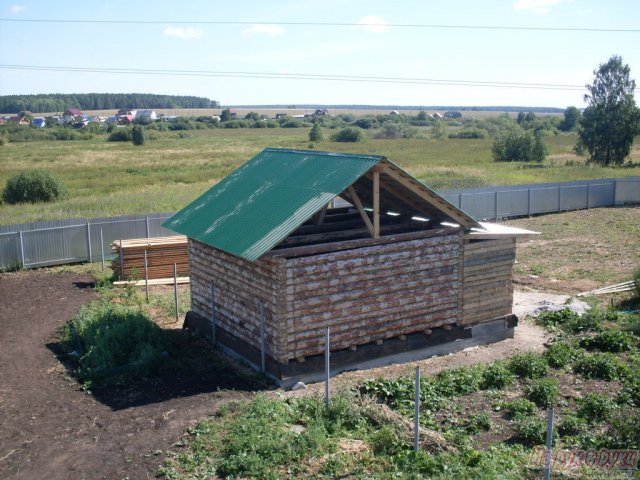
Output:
x,y
162,253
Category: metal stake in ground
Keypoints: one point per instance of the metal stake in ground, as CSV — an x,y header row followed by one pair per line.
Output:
x,y
175,287
547,452
416,420
263,358
146,276
102,249
327,369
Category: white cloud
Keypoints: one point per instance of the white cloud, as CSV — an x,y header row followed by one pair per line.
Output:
x,y
185,33
373,24
536,6
15,9
260,28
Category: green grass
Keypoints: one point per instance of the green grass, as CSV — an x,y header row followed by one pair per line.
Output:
x,y
112,178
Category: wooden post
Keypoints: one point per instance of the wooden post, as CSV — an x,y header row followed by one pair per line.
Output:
x,y
548,445
213,314
102,249
376,203
175,287
356,200
416,419
327,369
263,362
121,261
146,276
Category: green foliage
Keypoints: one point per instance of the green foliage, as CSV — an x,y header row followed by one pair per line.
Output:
x,y
120,135
238,124
477,422
595,407
624,429
556,318
472,133
348,134
454,382
561,354
114,344
608,341
636,281
496,376
33,186
138,136
294,123
366,123
611,119
605,366
543,392
519,408
396,130
629,394
530,430
225,115
570,425
570,322
252,116
518,145
528,365
571,118
315,134
438,130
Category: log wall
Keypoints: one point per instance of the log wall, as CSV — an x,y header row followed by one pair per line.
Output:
x,y
487,290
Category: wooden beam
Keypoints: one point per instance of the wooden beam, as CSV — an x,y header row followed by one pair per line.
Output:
x,y
399,197
376,203
365,218
319,217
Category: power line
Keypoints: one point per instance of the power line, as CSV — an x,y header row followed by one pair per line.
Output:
x,y
298,76
326,24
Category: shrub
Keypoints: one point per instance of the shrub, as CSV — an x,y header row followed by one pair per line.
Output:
x,y
120,135
530,430
396,130
348,134
624,430
32,186
561,354
571,425
520,407
266,124
630,392
544,392
608,341
315,134
496,376
458,381
528,365
518,145
556,318
138,136
469,133
114,344
293,124
477,422
605,366
636,280
366,123
595,407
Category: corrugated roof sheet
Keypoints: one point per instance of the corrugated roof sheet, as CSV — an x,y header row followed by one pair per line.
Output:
x,y
251,210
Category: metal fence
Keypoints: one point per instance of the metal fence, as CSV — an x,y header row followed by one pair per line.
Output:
x,y
39,244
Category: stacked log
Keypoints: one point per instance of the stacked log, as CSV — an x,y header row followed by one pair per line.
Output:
x,y
162,253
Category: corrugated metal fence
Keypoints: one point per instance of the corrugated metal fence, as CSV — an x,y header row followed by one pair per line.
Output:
x,y
39,244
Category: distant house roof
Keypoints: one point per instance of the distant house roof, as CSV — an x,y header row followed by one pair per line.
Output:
x,y
254,208
128,118
39,122
72,112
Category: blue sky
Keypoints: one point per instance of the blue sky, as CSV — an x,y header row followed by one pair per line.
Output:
x,y
267,44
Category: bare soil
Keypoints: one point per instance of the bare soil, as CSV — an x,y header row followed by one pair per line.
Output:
x,y
52,429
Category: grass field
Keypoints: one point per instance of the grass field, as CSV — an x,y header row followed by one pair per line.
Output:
x,y
112,178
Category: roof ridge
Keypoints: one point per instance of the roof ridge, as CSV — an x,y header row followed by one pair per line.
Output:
x,y
320,152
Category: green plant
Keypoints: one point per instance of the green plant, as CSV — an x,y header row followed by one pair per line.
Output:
x,y
349,134
629,394
636,281
605,366
624,429
570,425
530,430
315,134
496,376
595,407
518,145
138,136
528,365
32,186
120,135
561,354
557,318
458,381
543,392
519,407
477,422
608,341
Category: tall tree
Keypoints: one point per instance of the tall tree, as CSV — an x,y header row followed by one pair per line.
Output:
x,y
611,119
570,120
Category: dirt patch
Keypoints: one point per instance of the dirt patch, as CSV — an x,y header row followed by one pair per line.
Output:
x,y
52,429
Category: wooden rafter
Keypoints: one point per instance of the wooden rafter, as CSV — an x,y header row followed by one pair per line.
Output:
x,y
376,202
365,218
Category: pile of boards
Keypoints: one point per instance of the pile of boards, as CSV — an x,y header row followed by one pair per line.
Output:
x,y
162,254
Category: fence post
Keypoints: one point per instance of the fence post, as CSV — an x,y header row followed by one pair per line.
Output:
x,y
21,249
559,198
213,314
102,249
121,261
589,195
263,360
416,420
146,276
327,369
147,225
529,202
547,452
175,287
89,242
496,202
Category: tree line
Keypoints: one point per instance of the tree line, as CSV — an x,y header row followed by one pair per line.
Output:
x,y
58,102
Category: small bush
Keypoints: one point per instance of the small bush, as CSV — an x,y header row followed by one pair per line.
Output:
x,y
629,394
608,341
561,354
624,430
472,133
528,365
138,136
518,145
454,382
496,376
571,425
595,407
348,134
520,407
605,366
543,392
556,318
315,134
477,422
396,130
114,344
531,430
636,281
32,186
294,124
120,135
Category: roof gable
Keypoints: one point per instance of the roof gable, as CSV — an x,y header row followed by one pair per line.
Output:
x,y
258,205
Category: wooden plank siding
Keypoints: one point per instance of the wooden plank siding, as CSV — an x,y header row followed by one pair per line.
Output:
x,y
487,290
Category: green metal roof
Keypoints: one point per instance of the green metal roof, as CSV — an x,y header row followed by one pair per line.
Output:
x,y
254,208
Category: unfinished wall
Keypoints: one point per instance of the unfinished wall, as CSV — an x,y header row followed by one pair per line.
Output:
x,y
372,293
487,290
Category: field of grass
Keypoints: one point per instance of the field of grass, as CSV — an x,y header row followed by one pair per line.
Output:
x,y
112,178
